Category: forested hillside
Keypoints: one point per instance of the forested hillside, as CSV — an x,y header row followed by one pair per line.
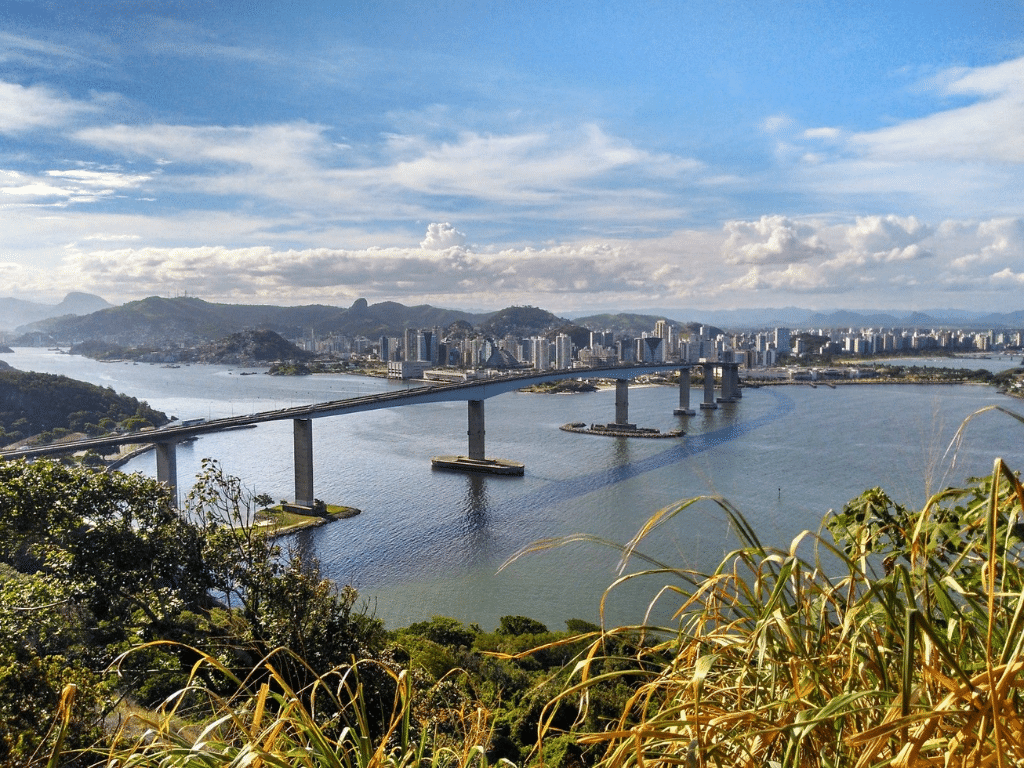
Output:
x,y
51,405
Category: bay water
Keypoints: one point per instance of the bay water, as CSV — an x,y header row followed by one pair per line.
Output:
x,y
434,543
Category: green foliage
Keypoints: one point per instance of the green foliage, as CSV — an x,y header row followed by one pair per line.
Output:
x,y
520,625
94,565
445,631
31,403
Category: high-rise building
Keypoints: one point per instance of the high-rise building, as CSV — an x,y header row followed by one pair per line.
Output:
x,y
540,353
563,351
411,347
782,345
664,330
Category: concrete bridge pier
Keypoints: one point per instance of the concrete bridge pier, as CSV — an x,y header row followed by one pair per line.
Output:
x,y
303,440
167,468
730,383
684,394
709,403
734,377
622,401
476,430
477,461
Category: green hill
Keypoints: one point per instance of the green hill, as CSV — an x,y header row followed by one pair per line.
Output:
x,y
520,321
39,403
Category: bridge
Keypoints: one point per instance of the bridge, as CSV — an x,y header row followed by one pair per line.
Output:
x,y
474,392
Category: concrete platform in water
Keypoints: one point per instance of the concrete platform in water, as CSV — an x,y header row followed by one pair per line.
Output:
x,y
486,466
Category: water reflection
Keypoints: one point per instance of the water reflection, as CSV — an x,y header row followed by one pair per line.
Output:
x,y
474,506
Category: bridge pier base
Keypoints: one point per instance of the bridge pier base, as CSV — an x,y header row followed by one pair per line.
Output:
x,y
684,394
476,461
167,468
303,440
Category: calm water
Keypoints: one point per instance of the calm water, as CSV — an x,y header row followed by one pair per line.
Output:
x,y
431,543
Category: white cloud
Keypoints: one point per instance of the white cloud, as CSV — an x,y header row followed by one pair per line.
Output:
x,y
1008,278
59,188
771,240
29,108
284,147
530,167
441,236
989,130
994,242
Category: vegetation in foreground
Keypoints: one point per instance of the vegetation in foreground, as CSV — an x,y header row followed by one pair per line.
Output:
x,y
891,637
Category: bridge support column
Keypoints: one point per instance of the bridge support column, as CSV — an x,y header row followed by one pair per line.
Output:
x,y
709,403
476,430
303,434
730,383
167,468
734,374
684,393
622,401
476,461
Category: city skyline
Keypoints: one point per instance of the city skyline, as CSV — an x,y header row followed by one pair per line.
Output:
x,y
703,155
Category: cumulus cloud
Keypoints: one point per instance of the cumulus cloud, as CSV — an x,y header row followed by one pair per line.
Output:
x,y
771,240
795,278
885,239
989,243
395,273
441,236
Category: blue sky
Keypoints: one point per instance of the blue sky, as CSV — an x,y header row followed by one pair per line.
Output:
x,y
569,155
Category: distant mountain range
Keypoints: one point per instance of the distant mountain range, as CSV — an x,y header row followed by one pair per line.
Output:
x,y
17,312
796,317
159,321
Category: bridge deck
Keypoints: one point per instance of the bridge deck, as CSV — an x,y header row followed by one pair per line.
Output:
x,y
436,393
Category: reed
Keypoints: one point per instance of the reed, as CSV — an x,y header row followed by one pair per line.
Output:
x,y
265,723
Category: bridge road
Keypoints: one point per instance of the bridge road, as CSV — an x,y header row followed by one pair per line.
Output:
x,y
474,392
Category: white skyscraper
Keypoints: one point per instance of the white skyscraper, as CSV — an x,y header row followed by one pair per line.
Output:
x,y
563,351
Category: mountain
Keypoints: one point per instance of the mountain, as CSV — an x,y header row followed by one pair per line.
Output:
x,y
15,313
389,318
248,347
157,321
519,321
186,320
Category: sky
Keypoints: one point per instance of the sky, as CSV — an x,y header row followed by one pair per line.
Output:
x,y
706,154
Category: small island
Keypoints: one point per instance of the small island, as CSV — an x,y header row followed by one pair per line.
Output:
x,y
561,387
619,430
283,519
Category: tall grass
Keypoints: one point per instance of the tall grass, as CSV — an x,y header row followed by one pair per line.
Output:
x,y
328,725
896,641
